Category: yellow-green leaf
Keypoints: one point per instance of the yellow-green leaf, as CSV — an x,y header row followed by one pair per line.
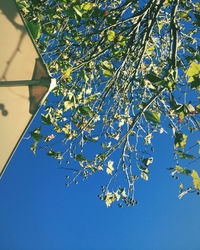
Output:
x,y
107,65
160,25
199,145
77,12
180,140
181,187
67,72
111,35
107,73
153,116
181,170
196,179
193,70
87,6
150,50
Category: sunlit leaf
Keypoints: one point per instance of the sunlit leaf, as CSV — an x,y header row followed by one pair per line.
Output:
x,y
160,25
181,187
109,198
144,176
111,35
150,50
77,12
107,73
183,171
193,70
67,72
180,140
147,161
87,6
110,167
107,65
196,179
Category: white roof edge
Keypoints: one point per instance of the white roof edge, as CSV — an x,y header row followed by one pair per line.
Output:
x,y
53,84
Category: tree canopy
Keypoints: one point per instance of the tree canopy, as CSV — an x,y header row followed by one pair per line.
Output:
x,y
126,70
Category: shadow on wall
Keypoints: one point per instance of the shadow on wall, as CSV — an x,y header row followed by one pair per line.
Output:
x,y
3,111
6,8
10,13
9,10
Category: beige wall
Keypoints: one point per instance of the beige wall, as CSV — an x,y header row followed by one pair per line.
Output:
x,y
18,57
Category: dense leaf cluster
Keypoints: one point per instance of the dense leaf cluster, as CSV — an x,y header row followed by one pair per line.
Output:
x,y
126,70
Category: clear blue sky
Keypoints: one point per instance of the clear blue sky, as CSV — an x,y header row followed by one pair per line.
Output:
x,y
37,211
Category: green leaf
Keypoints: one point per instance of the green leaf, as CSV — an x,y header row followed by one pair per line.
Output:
x,y
153,116
111,35
195,84
101,157
183,155
181,170
181,187
153,78
55,155
89,138
77,12
143,169
80,158
87,6
180,140
33,147
107,68
196,179
107,73
193,70
67,72
23,5
35,134
46,119
197,22
85,110
147,161
35,29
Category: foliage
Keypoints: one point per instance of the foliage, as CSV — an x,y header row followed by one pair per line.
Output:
x,y
126,70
